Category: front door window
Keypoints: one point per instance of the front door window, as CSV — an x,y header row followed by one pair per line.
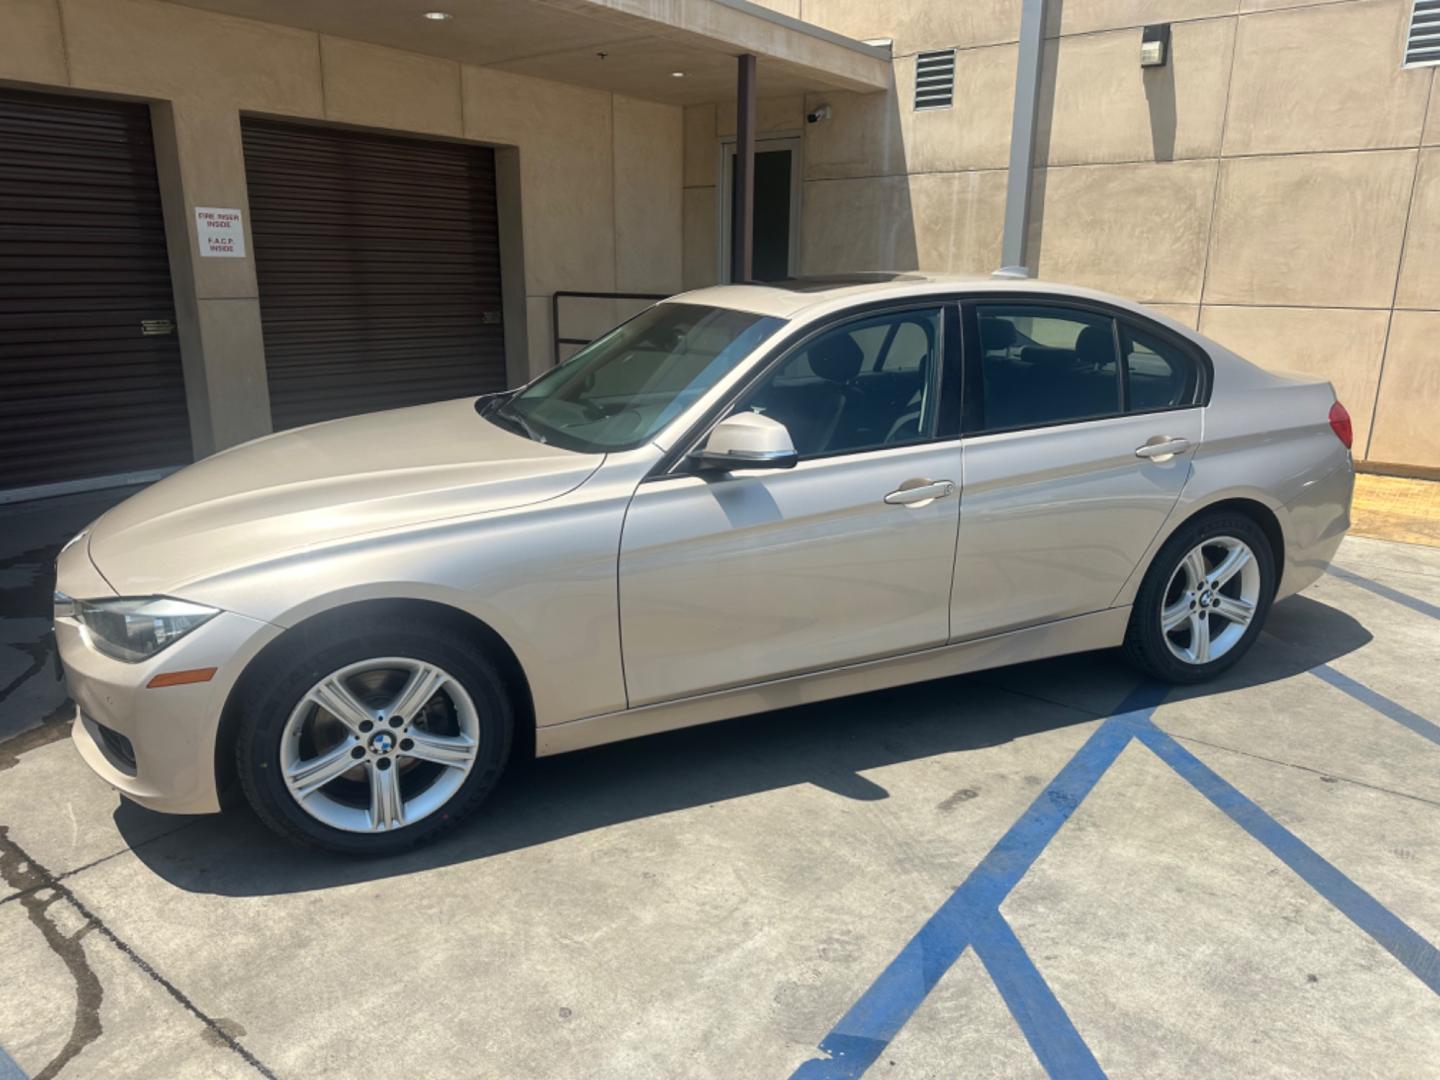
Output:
x,y
865,385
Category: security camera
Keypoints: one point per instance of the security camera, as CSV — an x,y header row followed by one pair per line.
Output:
x,y
822,112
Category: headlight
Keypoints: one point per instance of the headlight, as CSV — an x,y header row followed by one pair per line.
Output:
x,y
135,628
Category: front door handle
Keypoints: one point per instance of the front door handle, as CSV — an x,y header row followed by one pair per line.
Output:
x,y
1162,447
920,492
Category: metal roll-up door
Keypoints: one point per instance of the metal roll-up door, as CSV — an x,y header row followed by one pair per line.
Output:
x,y
378,260
90,377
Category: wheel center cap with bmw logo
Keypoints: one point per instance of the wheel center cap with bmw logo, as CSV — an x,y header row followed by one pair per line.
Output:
x,y
382,742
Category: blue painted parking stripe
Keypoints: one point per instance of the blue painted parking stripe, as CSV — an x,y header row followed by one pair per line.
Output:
x,y
1403,943
1042,1019
971,915
862,1034
1379,702
1414,603
8,1069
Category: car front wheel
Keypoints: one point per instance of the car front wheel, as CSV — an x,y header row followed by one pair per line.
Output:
x,y
373,742
1203,600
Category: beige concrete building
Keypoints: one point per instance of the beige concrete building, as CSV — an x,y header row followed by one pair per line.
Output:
x,y
1276,184
412,192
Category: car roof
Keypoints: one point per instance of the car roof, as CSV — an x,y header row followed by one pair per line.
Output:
x,y
799,297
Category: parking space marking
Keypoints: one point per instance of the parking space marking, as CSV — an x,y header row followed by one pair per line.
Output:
x,y
1414,603
971,916
8,1069
1388,930
1042,1019
862,1034
1379,702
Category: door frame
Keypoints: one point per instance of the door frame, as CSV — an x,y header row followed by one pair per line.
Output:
x,y
725,182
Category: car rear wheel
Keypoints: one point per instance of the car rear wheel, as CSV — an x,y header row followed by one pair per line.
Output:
x,y
1203,600
375,741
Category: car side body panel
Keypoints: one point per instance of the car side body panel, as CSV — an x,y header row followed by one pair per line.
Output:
x,y
741,577
1099,630
1054,520
1267,440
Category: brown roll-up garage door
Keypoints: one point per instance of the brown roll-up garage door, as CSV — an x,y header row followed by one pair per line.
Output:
x,y
379,266
85,390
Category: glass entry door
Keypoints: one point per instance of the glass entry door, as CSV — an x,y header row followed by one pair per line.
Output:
x,y
776,231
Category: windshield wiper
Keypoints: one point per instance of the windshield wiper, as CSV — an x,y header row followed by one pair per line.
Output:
x,y
503,411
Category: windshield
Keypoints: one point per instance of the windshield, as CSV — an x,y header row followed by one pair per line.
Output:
x,y
622,389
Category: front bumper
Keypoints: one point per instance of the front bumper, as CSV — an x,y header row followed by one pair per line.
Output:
x,y
170,731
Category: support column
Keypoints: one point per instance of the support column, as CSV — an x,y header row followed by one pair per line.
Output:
x,y
742,221
201,161
1022,137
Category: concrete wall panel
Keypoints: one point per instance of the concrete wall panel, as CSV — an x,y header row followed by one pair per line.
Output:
x,y
1406,431
1343,345
1314,229
32,48
975,132
1431,134
1137,230
771,114
1088,16
235,381
701,146
172,52
882,134
384,88
1420,268
1100,105
1324,78
700,234
864,224
862,137
963,217
566,173
649,192
1247,6
919,24
1185,314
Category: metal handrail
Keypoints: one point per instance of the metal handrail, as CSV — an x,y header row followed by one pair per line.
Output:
x,y
555,298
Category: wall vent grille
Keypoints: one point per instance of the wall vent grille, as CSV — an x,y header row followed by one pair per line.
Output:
x,y
935,76
1423,44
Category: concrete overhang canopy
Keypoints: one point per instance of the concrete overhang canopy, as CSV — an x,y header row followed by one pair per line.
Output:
x,y
628,46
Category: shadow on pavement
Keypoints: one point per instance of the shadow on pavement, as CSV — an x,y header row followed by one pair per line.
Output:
x,y
828,745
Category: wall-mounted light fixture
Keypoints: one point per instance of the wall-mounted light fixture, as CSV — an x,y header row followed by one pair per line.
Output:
x,y
1155,45
437,16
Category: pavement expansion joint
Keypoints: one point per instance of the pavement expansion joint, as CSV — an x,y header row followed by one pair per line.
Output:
x,y
38,890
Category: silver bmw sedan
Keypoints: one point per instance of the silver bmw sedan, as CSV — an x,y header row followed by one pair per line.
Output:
x,y
745,497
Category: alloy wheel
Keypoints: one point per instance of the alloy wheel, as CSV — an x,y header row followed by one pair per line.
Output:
x,y
379,744
1210,600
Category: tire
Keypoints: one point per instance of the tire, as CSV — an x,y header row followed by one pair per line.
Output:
x,y
394,781
1202,619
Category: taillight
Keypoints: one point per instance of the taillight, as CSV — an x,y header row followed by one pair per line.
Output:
x,y
1340,424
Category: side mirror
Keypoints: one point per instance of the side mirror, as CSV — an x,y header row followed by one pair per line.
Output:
x,y
747,441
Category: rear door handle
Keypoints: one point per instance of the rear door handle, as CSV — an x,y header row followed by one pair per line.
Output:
x,y
920,492
1162,447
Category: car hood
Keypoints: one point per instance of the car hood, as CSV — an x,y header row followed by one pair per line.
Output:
x,y
313,486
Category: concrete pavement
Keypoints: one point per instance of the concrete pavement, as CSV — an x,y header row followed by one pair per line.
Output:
x,y
1236,880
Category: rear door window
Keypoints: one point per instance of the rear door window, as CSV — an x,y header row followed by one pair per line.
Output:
x,y
1158,375
1044,364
